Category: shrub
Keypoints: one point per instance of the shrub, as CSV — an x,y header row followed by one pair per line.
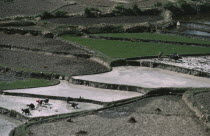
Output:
x,y
92,12
203,8
186,7
60,13
158,4
172,7
46,15
121,10
136,10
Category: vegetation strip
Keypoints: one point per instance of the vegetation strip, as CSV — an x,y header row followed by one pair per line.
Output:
x,y
126,49
186,35
149,40
28,83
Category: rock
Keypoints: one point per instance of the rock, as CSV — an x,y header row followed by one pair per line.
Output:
x,y
132,120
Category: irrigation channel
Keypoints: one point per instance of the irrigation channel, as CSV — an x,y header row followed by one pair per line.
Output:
x,y
194,25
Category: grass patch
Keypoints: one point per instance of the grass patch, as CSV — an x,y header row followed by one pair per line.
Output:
x,y
155,36
27,83
124,49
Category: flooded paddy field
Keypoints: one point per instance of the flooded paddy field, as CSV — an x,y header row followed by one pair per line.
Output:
x,y
52,108
172,119
7,124
147,77
200,63
66,89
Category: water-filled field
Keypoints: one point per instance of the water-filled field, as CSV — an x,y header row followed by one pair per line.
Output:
x,y
147,77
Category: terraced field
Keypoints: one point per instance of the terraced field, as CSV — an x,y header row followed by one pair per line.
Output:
x,y
37,42
173,119
29,7
125,49
106,20
155,36
32,61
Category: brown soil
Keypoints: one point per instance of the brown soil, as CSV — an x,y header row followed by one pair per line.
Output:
x,y
107,20
49,63
175,119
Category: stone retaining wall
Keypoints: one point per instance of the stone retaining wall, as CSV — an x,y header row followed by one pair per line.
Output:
x,y
19,31
108,86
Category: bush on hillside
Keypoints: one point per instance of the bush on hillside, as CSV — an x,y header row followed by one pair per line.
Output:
x,y
60,13
121,10
158,4
46,15
92,12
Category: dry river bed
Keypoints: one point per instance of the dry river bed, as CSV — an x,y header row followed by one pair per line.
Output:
x,y
147,77
65,89
173,119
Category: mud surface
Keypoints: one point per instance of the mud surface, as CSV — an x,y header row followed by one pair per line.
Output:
x,y
203,100
201,63
31,61
147,77
52,108
107,20
174,119
29,7
66,89
37,42
7,124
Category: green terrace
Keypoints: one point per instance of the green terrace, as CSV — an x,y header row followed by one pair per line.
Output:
x,y
125,49
155,36
27,83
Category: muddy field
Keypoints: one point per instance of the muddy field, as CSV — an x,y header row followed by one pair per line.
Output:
x,y
30,7
147,77
66,89
37,42
173,119
52,108
203,100
7,124
48,63
106,20
201,63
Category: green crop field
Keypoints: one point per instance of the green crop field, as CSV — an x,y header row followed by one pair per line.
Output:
x,y
155,36
27,83
124,49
